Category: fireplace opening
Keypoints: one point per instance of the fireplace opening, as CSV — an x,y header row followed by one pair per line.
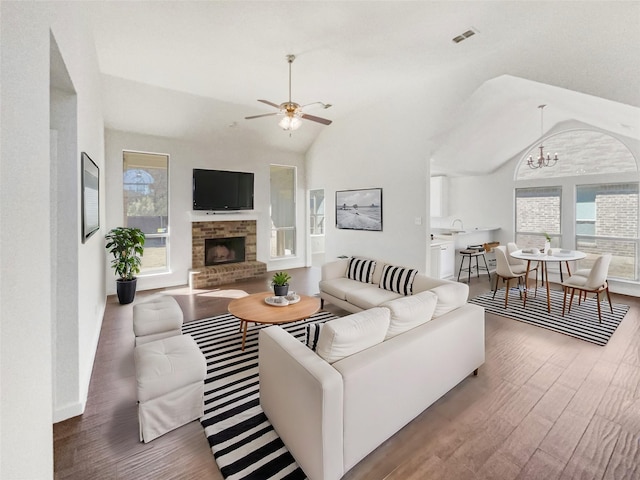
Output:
x,y
218,251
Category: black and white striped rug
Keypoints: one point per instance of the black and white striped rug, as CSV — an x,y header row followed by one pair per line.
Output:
x,y
242,440
581,323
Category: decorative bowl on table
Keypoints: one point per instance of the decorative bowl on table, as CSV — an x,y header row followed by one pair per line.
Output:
x,y
292,297
277,301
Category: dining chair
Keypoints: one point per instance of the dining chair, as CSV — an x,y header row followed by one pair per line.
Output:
x,y
595,282
583,272
520,266
504,271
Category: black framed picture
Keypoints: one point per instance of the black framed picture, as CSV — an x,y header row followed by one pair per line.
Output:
x,y
90,197
359,209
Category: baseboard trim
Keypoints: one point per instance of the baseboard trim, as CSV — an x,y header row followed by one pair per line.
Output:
x,y
69,411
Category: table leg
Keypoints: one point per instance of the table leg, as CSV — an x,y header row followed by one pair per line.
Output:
x,y
544,266
568,269
526,283
244,331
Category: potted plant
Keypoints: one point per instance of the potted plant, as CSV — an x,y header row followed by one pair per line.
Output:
x,y
126,245
280,282
547,243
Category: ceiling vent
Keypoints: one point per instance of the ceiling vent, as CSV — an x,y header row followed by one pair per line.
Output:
x,y
469,33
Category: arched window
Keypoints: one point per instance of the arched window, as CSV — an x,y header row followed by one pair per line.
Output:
x,y
580,153
587,201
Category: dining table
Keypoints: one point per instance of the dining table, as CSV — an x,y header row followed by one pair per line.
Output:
x,y
559,255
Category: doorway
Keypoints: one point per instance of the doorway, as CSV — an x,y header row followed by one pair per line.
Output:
x,y
316,226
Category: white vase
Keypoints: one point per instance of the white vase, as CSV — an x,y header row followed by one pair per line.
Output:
x,y
547,247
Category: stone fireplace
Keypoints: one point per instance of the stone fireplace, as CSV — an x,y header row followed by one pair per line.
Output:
x,y
224,252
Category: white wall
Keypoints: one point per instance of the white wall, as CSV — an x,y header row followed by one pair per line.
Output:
x,y
83,320
232,152
26,260
384,146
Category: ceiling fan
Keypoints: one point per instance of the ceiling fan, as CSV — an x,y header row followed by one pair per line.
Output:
x,y
290,111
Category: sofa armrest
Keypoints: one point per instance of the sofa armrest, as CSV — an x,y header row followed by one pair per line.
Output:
x,y
389,384
451,295
336,269
302,396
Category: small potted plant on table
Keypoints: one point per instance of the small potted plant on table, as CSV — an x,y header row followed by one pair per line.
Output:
x,y
280,282
547,243
126,245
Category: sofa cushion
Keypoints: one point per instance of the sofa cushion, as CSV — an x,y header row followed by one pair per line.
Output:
x,y
312,335
361,269
409,312
345,336
450,296
398,279
341,287
370,297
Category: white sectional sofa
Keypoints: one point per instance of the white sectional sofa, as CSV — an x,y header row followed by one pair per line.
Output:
x,y
372,372
355,296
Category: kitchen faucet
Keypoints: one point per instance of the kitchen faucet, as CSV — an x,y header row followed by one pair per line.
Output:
x,y
457,220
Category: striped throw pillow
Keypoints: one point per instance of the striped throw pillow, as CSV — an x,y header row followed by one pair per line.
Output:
x,y
361,269
398,279
313,334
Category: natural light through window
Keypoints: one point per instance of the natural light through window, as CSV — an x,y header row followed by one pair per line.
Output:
x,y
146,200
593,205
283,211
580,152
607,221
538,213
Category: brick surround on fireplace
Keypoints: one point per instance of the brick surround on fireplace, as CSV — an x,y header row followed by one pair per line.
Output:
x,y
210,276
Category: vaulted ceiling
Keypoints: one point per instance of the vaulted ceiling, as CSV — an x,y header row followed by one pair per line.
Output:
x,y
196,69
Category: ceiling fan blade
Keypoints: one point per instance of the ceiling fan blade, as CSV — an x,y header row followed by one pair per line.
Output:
x,y
324,105
270,103
313,118
263,115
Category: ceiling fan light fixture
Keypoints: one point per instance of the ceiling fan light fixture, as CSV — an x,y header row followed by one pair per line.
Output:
x,y
290,122
291,111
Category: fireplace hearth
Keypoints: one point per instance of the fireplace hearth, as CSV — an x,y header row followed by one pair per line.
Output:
x,y
218,251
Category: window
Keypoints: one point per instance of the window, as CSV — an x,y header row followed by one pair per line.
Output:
x,y
599,205
577,149
283,211
538,213
316,212
607,221
146,202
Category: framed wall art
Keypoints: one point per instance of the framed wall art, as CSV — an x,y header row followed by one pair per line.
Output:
x,y
90,197
359,209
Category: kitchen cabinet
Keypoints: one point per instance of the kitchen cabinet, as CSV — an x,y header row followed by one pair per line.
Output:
x,y
439,196
434,271
443,257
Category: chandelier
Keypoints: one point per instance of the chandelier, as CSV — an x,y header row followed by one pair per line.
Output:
x,y
542,161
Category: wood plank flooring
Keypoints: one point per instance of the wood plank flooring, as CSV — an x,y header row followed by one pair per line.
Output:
x,y
544,406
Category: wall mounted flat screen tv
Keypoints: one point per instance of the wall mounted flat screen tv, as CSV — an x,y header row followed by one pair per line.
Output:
x,y
222,190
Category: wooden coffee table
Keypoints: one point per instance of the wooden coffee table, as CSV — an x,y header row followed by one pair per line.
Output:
x,y
254,309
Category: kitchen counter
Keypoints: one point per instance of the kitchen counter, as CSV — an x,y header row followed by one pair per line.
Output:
x,y
436,242
449,232
463,238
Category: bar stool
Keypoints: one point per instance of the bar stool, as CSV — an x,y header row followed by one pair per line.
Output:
x,y
473,251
